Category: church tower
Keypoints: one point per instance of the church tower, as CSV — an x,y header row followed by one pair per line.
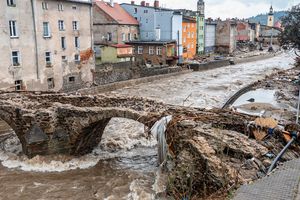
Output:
x,y
271,17
200,7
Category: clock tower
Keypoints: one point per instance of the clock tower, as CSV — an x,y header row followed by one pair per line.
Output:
x,y
271,17
200,7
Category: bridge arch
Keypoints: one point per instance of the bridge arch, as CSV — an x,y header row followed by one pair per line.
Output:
x,y
89,125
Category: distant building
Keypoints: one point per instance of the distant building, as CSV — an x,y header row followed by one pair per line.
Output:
x,y
189,37
155,52
200,27
157,24
112,27
226,36
243,31
45,45
210,36
271,17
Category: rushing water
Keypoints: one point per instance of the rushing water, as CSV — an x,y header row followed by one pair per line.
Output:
x,y
124,165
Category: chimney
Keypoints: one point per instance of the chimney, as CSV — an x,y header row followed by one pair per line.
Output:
x,y
143,3
147,4
111,3
156,4
132,2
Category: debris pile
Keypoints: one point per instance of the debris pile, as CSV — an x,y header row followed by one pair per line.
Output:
x,y
209,158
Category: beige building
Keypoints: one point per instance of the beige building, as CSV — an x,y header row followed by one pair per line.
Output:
x,y
46,44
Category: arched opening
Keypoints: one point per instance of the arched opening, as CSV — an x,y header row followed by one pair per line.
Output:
x,y
9,141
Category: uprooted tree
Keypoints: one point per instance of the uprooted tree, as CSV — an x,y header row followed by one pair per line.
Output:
x,y
291,33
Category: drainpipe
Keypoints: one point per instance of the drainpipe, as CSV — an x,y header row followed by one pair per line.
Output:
x,y
35,41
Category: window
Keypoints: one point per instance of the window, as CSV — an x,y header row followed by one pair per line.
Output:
x,y
146,20
46,29
72,79
184,29
45,5
13,28
151,50
135,10
145,11
63,42
77,58
15,56
188,25
123,37
18,85
158,51
135,36
192,25
61,25
74,7
60,7
129,37
75,25
192,46
48,58
192,34
140,50
77,43
50,82
11,2
188,35
109,36
64,59
184,39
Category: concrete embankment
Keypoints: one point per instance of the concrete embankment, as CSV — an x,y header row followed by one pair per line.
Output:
x,y
132,82
223,63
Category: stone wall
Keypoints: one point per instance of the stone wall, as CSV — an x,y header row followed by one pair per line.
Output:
x,y
117,72
114,72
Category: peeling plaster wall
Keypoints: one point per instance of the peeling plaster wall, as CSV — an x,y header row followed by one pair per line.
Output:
x,y
25,44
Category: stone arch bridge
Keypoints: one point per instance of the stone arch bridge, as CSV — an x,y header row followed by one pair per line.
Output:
x,y
57,123
52,123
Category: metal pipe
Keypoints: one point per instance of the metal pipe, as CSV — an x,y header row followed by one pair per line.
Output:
x,y
280,155
298,109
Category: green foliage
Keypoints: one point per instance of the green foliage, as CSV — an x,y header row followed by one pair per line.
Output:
x,y
291,24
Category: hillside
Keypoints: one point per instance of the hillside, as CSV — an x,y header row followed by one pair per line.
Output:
x,y
262,18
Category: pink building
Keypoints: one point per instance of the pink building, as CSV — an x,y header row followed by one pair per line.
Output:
x,y
243,31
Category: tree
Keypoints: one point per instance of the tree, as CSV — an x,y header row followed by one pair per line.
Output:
x,y
291,33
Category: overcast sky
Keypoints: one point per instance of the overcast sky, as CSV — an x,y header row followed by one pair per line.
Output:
x,y
227,8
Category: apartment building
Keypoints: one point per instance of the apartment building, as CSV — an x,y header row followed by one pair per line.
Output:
x,y
189,37
46,44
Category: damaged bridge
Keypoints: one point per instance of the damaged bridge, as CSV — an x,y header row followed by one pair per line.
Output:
x,y
51,123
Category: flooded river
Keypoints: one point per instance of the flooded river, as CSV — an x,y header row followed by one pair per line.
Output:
x,y
124,165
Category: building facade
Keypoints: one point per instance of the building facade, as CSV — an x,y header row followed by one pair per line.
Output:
x,y
189,37
154,53
112,24
46,45
226,36
200,27
210,36
243,31
113,27
157,24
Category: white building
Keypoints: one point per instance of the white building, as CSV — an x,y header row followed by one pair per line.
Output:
x,y
46,44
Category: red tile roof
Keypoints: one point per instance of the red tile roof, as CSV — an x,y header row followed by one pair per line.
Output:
x,y
120,45
117,13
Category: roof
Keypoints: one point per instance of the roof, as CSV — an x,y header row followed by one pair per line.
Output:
x,y
81,1
120,45
189,19
152,7
117,13
152,42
